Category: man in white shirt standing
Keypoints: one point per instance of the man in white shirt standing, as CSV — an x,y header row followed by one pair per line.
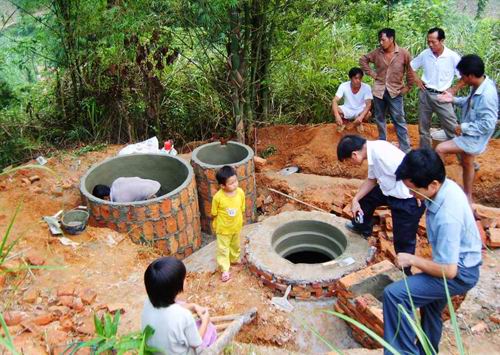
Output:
x,y
382,189
357,101
439,68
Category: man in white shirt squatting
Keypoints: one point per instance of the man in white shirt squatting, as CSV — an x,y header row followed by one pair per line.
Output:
x,y
357,101
381,189
439,68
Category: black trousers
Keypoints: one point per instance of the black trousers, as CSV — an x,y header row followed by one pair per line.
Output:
x,y
405,217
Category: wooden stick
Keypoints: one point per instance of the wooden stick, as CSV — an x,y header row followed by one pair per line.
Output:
x,y
296,199
225,318
227,336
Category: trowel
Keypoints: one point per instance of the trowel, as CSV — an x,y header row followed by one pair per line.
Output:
x,y
282,302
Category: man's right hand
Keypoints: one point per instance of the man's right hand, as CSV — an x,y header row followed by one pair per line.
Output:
x,y
355,207
338,120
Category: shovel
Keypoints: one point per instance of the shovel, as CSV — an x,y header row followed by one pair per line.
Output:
x,y
282,302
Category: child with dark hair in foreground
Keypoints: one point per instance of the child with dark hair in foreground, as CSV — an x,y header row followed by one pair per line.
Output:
x,y
228,207
176,331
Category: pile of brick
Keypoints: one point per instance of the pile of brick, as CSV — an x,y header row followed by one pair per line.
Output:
x,y
359,297
489,227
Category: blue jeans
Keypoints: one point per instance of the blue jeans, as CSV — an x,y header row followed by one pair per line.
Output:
x,y
397,113
428,294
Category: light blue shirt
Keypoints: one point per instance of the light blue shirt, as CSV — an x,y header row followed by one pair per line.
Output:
x,y
451,228
480,114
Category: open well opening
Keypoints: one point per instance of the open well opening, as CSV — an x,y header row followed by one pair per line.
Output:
x,y
308,242
168,171
217,154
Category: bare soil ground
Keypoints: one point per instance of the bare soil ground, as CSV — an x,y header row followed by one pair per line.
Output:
x,y
105,271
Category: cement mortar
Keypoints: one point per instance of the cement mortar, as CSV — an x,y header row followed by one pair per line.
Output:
x,y
279,272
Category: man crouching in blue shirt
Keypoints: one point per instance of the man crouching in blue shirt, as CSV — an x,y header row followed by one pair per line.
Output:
x,y
456,254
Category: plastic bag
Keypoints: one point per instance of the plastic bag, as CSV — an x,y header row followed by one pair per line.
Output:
x,y
147,146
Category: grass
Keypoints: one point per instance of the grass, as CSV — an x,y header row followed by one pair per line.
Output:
x,y
413,320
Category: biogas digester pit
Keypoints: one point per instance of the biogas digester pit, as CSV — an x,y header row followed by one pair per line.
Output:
x,y
206,160
308,242
298,235
170,222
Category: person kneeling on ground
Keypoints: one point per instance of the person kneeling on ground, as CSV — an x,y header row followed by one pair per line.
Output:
x,y
479,118
357,101
381,189
456,255
176,331
127,189
228,208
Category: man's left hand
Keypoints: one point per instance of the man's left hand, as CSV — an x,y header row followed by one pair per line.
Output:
x,y
404,259
458,130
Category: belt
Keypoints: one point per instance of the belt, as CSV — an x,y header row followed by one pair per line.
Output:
x,y
434,91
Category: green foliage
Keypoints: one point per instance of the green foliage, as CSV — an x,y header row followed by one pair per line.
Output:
x,y
90,72
108,340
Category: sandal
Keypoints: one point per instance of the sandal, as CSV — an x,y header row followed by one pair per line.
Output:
x,y
226,276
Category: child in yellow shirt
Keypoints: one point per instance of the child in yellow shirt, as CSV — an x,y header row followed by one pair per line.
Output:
x,y
228,207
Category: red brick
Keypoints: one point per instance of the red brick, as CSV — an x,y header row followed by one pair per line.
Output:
x,y
148,230
154,210
130,214
190,234
183,239
14,317
181,223
197,241
241,171
184,198
203,189
210,174
188,251
140,213
121,227
66,290
35,258
346,212
174,245
189,214
96,211
115,212
171,225
243,184
135,232
163,246
160,229
105,212
166,207
176,202
43,318
66,300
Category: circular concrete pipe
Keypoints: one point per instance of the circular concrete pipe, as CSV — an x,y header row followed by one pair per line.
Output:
x,y
308,242
170,222
207,159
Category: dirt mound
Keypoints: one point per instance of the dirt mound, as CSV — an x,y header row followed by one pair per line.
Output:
x,y
313,150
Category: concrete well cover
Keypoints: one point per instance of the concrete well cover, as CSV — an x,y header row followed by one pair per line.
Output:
x,y
264,245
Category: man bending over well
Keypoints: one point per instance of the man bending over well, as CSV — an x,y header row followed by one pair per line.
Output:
x,y
127,189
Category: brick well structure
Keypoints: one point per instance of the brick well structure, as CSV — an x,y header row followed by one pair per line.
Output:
x,y
170,222
206,160
288,232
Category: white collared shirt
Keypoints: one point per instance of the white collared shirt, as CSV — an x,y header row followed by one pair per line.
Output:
x,y
438,71
383,160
